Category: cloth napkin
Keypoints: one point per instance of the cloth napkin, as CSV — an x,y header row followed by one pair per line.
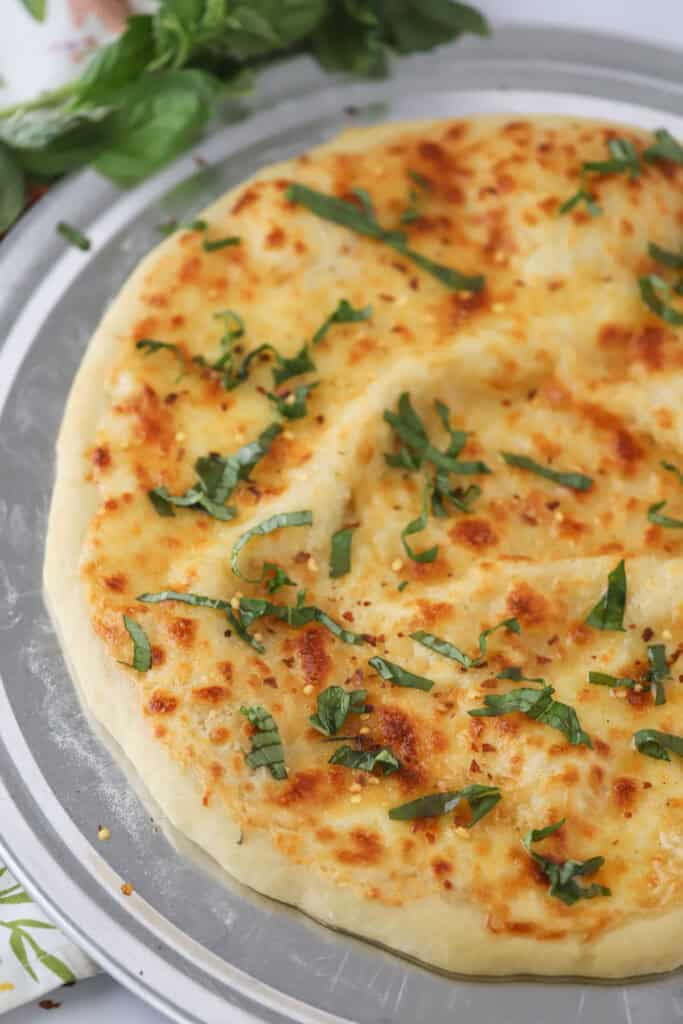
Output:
x,y
35,957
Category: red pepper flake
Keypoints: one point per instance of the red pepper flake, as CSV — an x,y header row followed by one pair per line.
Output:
x,y
127,889
648,634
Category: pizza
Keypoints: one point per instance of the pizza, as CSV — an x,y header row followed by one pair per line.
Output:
x,y
366,539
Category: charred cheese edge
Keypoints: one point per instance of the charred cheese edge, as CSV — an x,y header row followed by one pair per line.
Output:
x,y
558,359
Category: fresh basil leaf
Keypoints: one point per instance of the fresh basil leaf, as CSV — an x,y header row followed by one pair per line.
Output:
x,y
158,117
398,676
266,746
293,406
657,744
658,671
650,286
665,148
608,613
449,650
624,157
562,876
481,799
73,236
659,519
252,608
367,760
347,214
340,552
412,25
344,313
672,469
348,39
666,256
604,679
142,649
276,522
116,65
539,705
335,704
13,191
36,8
416,526
575,481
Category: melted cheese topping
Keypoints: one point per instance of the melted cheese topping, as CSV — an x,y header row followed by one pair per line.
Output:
x,y
559,359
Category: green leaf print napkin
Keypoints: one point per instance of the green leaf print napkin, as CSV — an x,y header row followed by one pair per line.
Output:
x,y
34,957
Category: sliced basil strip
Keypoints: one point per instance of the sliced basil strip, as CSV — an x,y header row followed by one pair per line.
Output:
x,y
604,679
367,760
672,469
665,148
73,236
266,746
416,526
211,245
449,650
335,704
340,552
275,522
608,613
650,286
293,406
539,705
665,256
659,519
481,799
252,608
562,876
658,744
363,220
218,478
399,676
658,671
624,157
575,481
142,649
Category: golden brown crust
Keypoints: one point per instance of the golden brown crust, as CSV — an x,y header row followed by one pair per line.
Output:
x,y
558,359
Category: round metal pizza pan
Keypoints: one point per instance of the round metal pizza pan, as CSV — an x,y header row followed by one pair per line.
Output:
x,y
187,941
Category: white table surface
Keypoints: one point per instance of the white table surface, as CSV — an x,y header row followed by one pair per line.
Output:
x,y
101,999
